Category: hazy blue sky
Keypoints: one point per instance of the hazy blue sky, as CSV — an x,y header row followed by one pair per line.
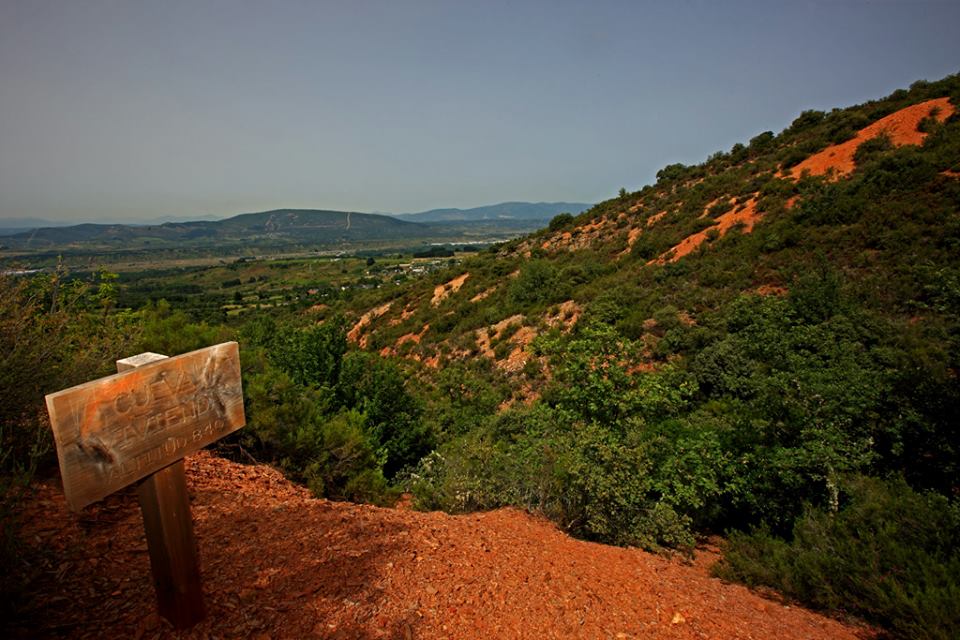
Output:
x,y
131,110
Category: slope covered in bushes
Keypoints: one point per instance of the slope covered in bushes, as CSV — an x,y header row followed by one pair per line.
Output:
x,y
756,339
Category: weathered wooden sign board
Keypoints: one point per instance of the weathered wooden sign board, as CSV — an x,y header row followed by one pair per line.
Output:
x,y
114,431
138,425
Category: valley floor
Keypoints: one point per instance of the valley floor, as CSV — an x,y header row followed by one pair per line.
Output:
x,y
278,563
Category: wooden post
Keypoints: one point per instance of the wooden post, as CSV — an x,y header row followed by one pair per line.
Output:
x,y
173,548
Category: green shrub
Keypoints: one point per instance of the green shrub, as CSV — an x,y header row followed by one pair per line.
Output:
x,y
872,148
890,555
806,120
344,464
377,388
312,355
590,480
171,331
761,142
54,333
793,157
671,172
561,221
537,283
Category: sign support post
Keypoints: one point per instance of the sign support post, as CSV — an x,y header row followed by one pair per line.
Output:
x,y
174,561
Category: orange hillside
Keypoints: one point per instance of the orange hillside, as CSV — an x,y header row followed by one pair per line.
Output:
x,y
901,126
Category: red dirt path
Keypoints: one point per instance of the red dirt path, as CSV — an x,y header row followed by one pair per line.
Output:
x,y
280,564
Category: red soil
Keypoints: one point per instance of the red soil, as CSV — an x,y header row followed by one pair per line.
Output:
x,y
632,236
484,339
652,220
483,294
440,292
355,334
901,126
407,312
771,290
642,367
415,338
562,240
566,316
580,238
277,563
518,357
748,215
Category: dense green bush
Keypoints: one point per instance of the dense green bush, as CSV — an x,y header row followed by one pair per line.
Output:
x,y
343,422
391,415
889,554
596,483
344,464
872,148
172,331
537,283
54,332
561,221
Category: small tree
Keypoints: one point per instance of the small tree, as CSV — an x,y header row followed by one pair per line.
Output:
x,y
560,221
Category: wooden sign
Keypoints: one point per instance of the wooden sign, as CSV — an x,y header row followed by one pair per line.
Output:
x,y
138,425
114,431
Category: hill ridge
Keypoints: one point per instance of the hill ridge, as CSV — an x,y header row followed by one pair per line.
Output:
x,y
624,223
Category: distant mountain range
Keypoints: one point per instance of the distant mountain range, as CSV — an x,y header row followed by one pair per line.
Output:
x,y
496,212
296,226
292,229
10,226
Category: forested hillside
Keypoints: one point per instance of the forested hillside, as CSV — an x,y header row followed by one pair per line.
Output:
x,y
763,346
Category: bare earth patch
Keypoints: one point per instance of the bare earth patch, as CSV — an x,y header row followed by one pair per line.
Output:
x,y
900,126
632,236
415,338
407,313
355,334
747,216
483,295
518,357
278,563
440,292
566,315
771,290
580,238
486,336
